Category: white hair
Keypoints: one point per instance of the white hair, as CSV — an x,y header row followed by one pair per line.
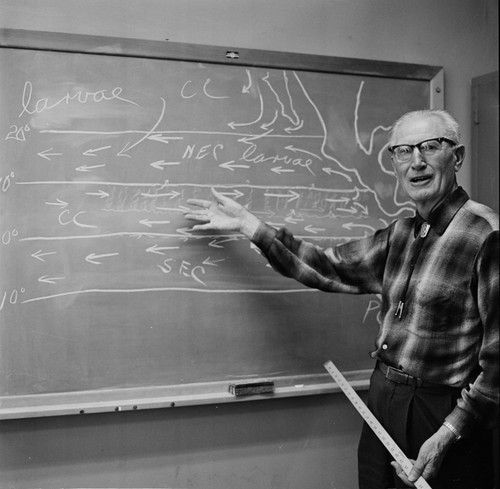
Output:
x,y
451,126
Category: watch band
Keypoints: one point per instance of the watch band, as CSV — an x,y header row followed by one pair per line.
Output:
x,y
453,430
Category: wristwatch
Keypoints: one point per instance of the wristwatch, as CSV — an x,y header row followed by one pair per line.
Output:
x,y
453,430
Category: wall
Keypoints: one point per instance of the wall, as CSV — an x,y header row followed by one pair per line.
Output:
x,y
288,443
307,442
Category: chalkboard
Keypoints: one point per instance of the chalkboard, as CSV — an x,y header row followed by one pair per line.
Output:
x,y
107,298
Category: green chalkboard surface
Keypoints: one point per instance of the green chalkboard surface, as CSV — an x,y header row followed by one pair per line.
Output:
x,y
107,298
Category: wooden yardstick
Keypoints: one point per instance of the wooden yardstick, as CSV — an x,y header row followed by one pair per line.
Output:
x,y
374,423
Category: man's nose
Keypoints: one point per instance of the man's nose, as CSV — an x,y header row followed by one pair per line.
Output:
x,y
417,160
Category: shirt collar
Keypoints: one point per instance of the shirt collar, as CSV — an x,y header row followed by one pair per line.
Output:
x,y
441,216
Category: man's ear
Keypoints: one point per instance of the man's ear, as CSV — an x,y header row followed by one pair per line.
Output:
x,y
459,153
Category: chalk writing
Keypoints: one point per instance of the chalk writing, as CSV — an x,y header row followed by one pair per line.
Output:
x,y
277,140
37,106
105,284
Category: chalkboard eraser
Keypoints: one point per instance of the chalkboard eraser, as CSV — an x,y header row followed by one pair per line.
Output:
x,y
251,388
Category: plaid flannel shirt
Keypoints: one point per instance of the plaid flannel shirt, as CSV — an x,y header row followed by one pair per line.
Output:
x,y
446,275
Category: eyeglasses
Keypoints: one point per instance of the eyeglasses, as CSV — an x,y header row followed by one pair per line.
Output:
x,y
403,153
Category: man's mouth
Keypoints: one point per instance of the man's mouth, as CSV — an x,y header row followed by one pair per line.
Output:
x,y
420,179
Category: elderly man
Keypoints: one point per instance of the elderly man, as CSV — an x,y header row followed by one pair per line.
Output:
x,y
435,386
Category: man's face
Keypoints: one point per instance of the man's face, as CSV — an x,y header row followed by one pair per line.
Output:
x,y
426,179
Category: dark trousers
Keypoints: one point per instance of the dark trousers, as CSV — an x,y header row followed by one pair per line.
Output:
x,y
411,415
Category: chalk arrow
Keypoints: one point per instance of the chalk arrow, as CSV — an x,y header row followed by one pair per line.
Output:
x,y
267,125
184,231
293,220
216,243
249,139
329,171
162,139
152,137
129,145
59,203
313,230
149,223
364,208
50,280
39,255
101,194
162,163
351,210
212,263
296,127
291,195
159,249
230,165
92,152
246,88
280,169
45,154
124,151
88,167
92,258
173,194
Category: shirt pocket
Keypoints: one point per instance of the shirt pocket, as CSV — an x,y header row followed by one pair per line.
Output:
x,y
437,310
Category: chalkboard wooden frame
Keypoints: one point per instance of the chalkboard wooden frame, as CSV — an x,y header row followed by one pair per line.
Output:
x,y
119,399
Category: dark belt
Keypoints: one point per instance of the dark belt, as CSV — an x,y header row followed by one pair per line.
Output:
x,y
398,376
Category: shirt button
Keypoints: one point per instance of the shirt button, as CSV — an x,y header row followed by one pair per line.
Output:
x,y
384,347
